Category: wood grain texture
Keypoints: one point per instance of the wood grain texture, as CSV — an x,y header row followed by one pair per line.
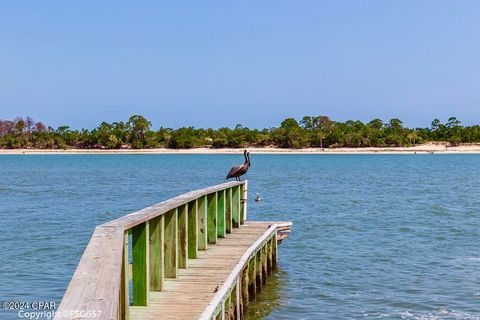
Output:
x,y
228,210
236,206
202,223
221,217
183,236
95,285
192,229
100,282
209,281
212,218
140,264
157,253
171,244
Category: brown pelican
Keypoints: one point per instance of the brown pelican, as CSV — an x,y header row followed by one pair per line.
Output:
x,y
241,169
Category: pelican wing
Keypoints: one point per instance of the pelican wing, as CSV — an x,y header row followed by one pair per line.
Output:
x,y
234,171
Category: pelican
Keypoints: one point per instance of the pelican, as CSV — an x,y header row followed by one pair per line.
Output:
x,y
241,169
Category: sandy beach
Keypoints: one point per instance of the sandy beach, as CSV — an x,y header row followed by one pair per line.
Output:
x,y
429,148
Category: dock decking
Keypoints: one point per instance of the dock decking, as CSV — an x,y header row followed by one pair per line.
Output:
x,y
189,294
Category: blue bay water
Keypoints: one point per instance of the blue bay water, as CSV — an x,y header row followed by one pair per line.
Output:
x,y
374,236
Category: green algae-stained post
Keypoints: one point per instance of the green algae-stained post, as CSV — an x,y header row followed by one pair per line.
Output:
x,y
228,210
171,244
202,223
221,230
124,311
156,227
252,276
140,264
212,218
192,229
182,236
236,206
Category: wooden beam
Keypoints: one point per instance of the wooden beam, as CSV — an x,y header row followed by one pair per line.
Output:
x,y
236,206
171,244
157,254
264,263
259,273
252,278
124,305
140,264
202,223
244,290
228,210
244,194
182,236
212,217
192,229
221,228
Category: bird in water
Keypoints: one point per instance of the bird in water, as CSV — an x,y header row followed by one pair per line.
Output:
x,y
241,169
258,198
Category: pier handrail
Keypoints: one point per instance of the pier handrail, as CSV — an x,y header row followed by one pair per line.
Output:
x,y
99,288
212,310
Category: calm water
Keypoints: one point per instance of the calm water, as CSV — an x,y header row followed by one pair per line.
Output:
x,y
375,236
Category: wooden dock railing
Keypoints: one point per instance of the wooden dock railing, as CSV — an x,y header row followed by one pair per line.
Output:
x,y
134,255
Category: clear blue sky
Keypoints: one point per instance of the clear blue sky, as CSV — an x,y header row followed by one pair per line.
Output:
x,y
219,63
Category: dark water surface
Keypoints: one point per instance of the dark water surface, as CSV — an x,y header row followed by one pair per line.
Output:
x,y
375,236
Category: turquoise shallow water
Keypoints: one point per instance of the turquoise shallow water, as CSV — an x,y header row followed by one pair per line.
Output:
x,y
375,236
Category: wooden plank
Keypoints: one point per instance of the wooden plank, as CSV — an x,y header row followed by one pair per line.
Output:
x,y
124,312
157,253
236,206
140,264
264,263
238,298
212,217
171,244
192,229
228,210
244,289
258,270
202,223
252,278
96,283
182,236
221,228
244,202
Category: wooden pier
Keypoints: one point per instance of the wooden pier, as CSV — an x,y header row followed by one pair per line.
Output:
x,y
194,256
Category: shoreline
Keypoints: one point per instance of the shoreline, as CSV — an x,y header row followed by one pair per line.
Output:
x,y
420,149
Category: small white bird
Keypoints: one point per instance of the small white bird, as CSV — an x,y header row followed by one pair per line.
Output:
x,y
258,198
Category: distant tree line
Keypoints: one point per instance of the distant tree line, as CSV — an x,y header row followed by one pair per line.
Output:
x,y
310,131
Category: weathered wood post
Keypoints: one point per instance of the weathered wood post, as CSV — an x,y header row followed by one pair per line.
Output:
x,y
157,254
171,244
244,188
182,236
124,306
140,253
212,217
259,267
264,263
236,206
221,214
228,211
192,229
252,279
202,223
